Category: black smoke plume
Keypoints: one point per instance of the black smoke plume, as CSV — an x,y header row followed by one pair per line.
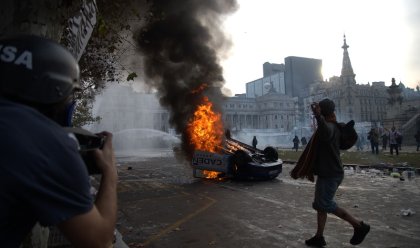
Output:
x,y
180,44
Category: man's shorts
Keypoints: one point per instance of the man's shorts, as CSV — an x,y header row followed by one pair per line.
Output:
x,y
325,189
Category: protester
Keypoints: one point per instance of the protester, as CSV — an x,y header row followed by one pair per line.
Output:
x,y
303,141
417,137
327,166
359,142
254,142
296,143
42,175
393,141
373,137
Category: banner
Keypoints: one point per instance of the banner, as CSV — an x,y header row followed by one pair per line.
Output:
x,y
80,28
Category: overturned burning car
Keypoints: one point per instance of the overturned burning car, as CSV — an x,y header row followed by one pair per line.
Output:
x,y
239,161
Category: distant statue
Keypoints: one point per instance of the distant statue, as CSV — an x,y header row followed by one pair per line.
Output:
x,y
254,142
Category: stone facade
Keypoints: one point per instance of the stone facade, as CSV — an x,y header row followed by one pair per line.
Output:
x,y
368,105
270,111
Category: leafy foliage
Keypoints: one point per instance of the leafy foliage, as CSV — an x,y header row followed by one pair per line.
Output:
x,y
100,63
131,76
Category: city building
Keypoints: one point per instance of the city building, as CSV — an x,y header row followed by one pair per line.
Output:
x,y
361,103
369,105
272,110
277,106
300,73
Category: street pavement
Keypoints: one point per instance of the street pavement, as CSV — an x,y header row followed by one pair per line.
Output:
x,y
162,205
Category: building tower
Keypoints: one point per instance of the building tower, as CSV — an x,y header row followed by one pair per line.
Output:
x,y
348,82
347,74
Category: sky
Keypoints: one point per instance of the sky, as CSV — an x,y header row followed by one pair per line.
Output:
x,y
383,38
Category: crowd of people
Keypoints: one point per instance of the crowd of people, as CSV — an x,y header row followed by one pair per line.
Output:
x,y
391,139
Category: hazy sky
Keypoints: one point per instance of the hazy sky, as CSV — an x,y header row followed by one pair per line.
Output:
x,y
383,35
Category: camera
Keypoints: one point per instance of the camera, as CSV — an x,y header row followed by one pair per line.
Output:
x,y
88,142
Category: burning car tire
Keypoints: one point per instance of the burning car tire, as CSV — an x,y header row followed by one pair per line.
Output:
x,y
271,153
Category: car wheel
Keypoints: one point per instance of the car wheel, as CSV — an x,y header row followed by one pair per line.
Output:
x,y
240,159
271,153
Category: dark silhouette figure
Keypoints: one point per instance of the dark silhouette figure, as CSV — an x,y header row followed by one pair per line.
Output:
x,y
417,137
393,141
296,143
254,142
303,141
373,137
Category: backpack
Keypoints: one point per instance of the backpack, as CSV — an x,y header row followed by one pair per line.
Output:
x,y
348,135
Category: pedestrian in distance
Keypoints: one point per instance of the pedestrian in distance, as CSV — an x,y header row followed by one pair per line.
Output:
x,y
43,178
417,137
359,143
373,137
303,141
296,143
393,141
254,142
328,168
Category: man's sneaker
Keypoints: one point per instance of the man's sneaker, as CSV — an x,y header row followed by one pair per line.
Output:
x,y
360,233
316,241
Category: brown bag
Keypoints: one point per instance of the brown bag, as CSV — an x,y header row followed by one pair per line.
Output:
x,y
304,166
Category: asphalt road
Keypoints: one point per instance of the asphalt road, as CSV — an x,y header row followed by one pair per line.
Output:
x,y
162,205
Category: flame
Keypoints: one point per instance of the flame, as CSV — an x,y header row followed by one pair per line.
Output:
x,y
211,174
205,129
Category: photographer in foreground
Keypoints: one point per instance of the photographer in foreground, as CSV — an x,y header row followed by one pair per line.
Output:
x,y
42,175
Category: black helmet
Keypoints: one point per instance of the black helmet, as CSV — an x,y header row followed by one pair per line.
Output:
x,y
36,70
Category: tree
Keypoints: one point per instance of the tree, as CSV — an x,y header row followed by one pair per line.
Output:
x,y
100,62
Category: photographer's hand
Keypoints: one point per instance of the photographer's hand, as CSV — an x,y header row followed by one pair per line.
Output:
x,y
105,158
96,227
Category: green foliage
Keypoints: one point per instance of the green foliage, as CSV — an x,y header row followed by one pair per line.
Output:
x,y
131,76
100,63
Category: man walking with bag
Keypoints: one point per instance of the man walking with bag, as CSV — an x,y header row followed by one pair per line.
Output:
x,y
325,163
